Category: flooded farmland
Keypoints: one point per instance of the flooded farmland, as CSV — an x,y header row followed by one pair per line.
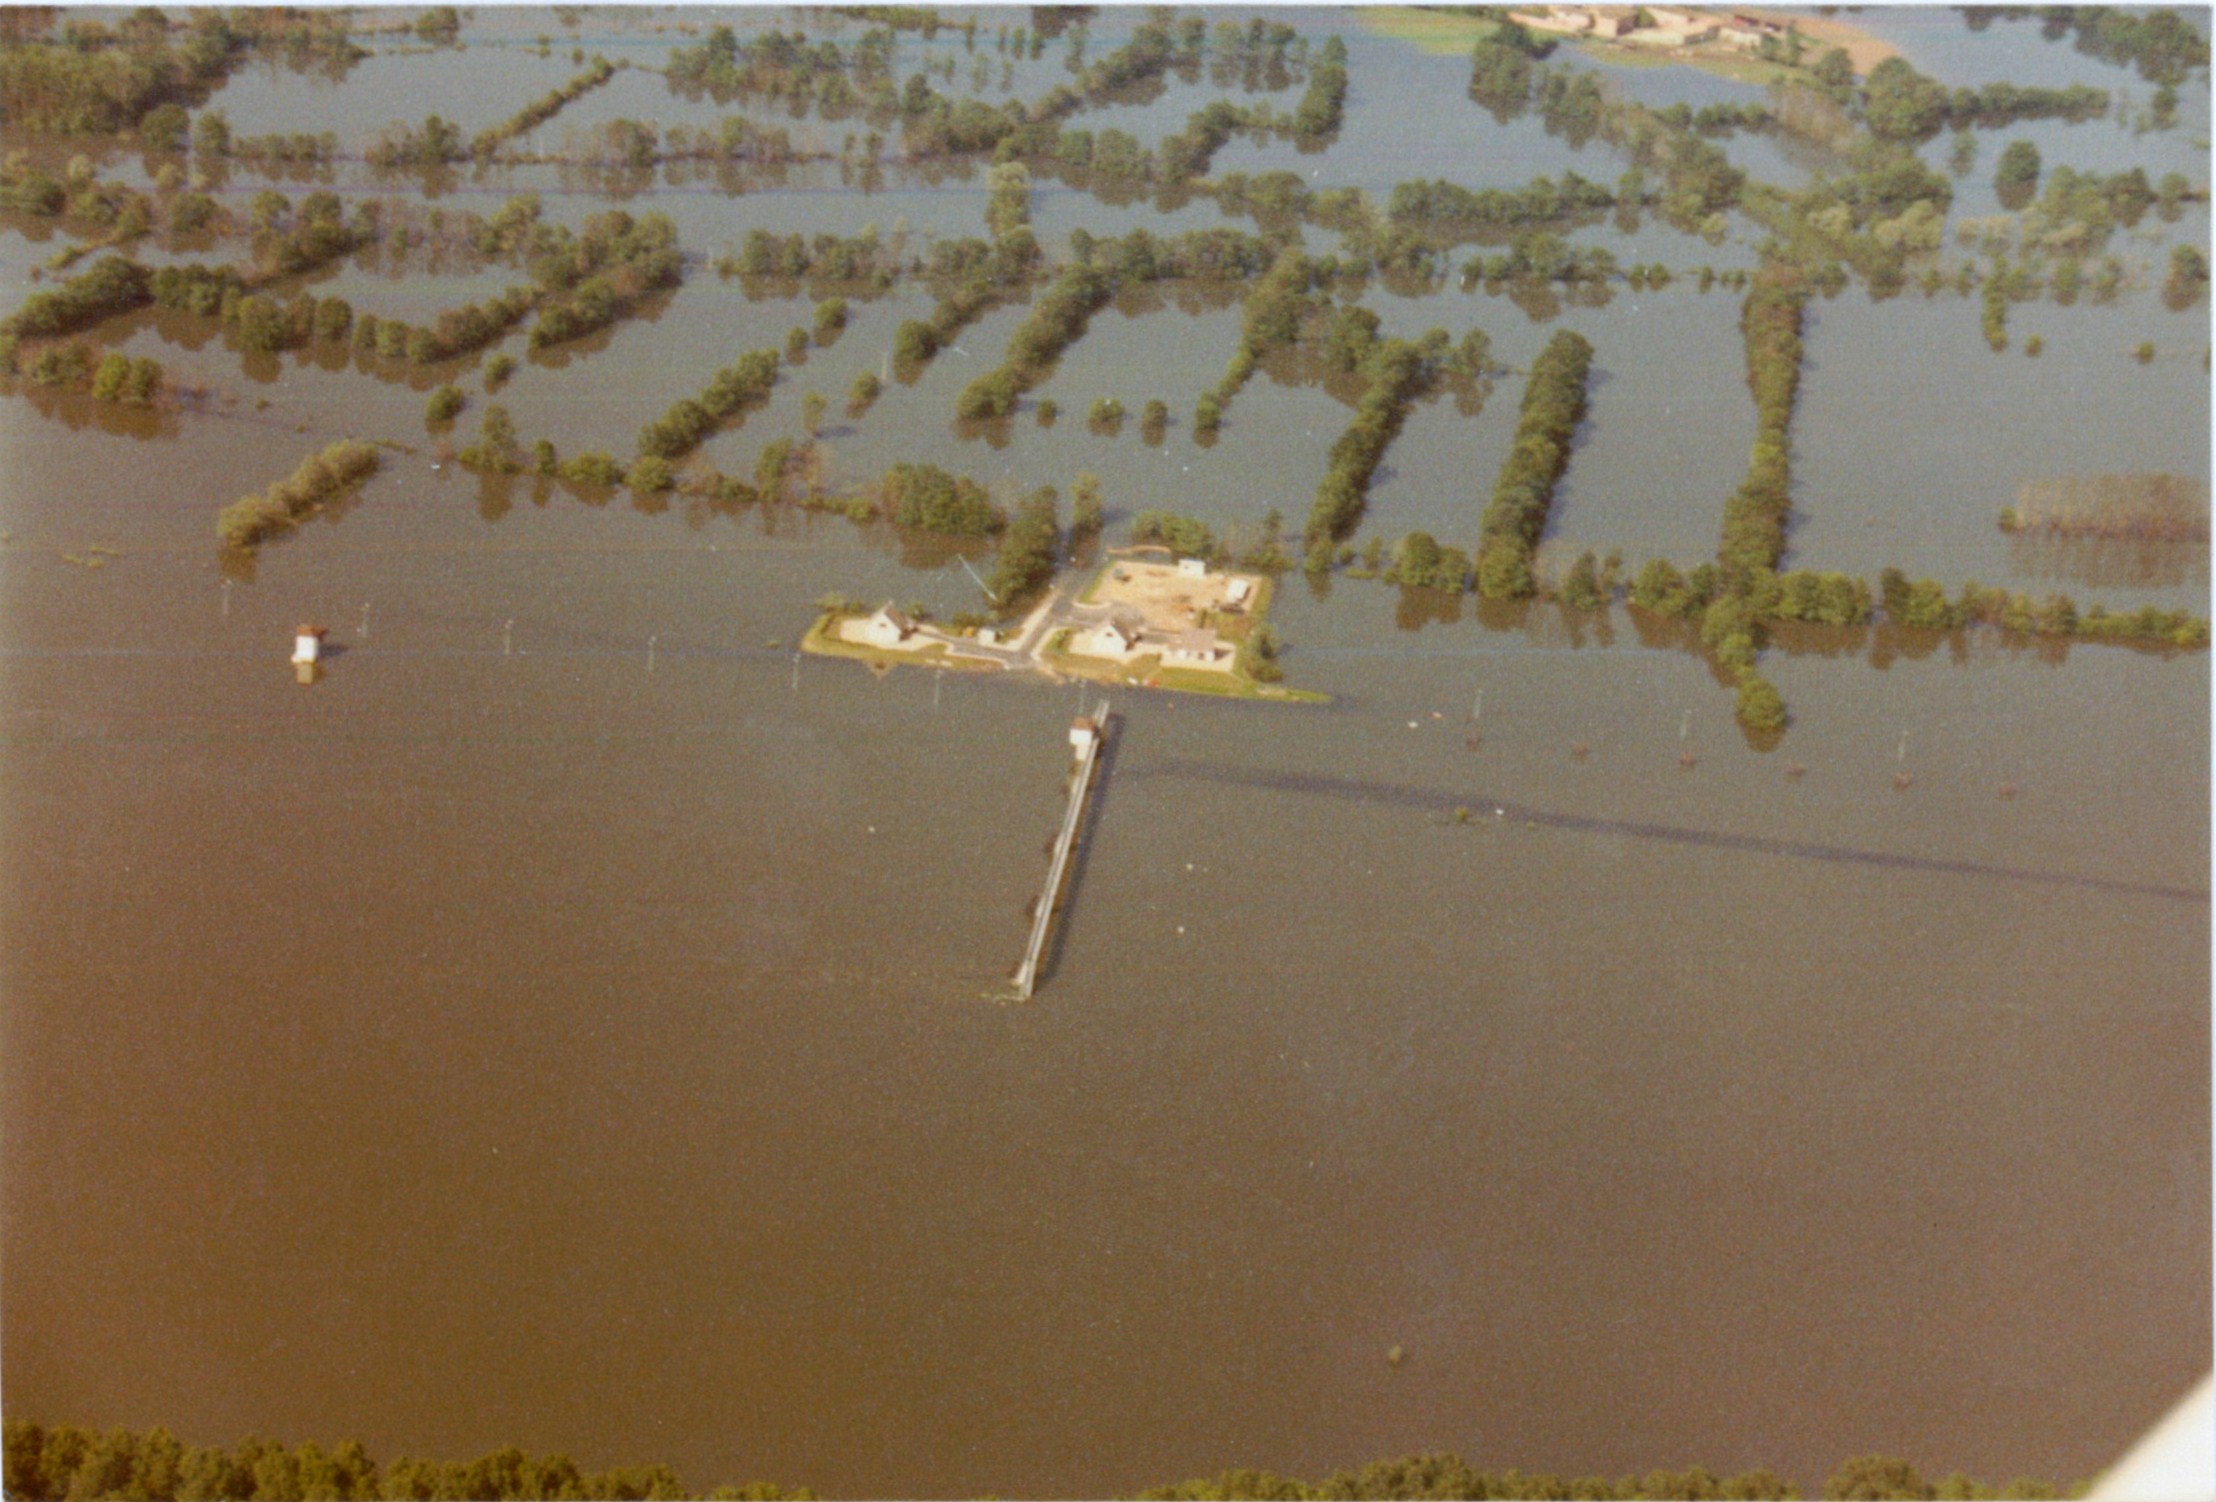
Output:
x,y
575,1021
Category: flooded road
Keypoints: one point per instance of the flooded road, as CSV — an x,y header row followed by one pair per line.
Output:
x,y
571,1022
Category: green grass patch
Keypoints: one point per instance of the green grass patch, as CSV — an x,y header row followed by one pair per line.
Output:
x,y
1439,31
1146,671
822,643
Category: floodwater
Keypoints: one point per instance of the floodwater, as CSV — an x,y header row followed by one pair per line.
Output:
x,y
570,1023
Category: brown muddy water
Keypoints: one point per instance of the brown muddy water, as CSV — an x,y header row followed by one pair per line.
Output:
x,y
570,1022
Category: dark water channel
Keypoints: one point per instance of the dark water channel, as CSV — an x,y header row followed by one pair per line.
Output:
x,y
570,1023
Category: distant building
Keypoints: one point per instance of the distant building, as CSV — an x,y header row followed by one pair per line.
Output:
x,y
307,644
1193,568
888,628
1579,20
1691,24
1236,592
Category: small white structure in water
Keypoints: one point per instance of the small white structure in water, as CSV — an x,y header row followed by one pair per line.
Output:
x,y
1084,730
307,645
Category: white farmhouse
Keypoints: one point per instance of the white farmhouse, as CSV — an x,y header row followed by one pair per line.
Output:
x,y
888,628
1198,649
1116,637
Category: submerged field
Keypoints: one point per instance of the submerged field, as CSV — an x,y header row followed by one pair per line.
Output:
x,y
1723,975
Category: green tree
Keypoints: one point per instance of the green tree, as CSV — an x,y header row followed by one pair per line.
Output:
x,y
445,404
1154,421
1901,104
109,376
1876,1478
1834,74
1257,656
1581,586
1085,505
211,134
2188,277
144,383
1028,550
2016,179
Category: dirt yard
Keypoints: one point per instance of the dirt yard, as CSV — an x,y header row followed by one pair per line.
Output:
x,y
1863,50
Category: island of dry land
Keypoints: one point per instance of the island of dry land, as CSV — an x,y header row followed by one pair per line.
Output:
x,y
1165,623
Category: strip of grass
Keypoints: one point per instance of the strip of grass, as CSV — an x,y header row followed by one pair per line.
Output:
x,y
1146,671
1430,30
821,642
1724,64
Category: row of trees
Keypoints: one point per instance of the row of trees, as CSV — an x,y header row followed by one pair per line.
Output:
x,y
856,261
540,110
1322,105
1275,310
1029,550
1057,321
456,331
437,143
75,366
321,478
1553,405
1185,536
50,1464
1448,213
1397,373
94,80
775,65
111,285
1755,516
928,499
2161,44
212,138
1923,603
617,262
739,386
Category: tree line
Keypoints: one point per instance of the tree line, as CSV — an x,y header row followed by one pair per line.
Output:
x,y
49,1464
1395,372
97,80
540,110
1755,516
739,386
253,519
1553,405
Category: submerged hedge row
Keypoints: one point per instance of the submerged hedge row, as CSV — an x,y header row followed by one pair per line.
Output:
x,y
1553,405
321,478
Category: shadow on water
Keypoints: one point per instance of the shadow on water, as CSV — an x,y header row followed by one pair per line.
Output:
x,y
1080,853
1395,795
